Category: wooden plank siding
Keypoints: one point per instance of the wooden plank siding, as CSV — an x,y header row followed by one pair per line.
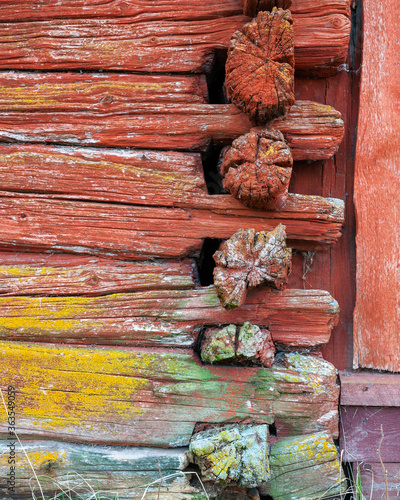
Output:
x,y
376,196
176,38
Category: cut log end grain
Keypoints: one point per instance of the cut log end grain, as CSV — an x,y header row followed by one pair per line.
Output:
x,y
249,259
260,66
257,169
251,7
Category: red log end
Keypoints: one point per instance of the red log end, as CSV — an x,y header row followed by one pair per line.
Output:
x,y
249,259
257,169
260,66
251,7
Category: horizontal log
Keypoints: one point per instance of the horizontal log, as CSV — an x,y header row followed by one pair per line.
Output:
x,y
320,7
369,389
72,275
118,471
361,432
176,38
305,467
143,112
161,317
155,397
36,223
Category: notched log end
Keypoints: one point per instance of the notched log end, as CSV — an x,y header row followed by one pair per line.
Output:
x,y
245,345
257,169
260,66
249,259
251,7
233,455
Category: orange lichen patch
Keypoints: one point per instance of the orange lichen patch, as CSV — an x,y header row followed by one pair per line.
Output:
x,y
260,66
257,169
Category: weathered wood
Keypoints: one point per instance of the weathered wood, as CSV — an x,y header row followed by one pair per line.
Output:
x,y
38,223
377,312
155,397
72,275
233,454
305,467
73,109
257,168
246,344
164,317
361,431
76,36
320,7
260,66
249,259
373,484
369,389
251,7
118,470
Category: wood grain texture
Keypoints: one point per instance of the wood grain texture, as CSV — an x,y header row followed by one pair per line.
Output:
x,y
369,389
377,313
171,318
373,480
121,470
125,396
144,111
38,223
320,7
361,431
133,38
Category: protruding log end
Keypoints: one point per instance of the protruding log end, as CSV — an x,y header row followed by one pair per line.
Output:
x,y
234,454
249,259
244,345
257,169
251,7
260,66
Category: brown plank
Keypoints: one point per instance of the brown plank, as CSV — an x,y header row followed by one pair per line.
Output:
x,y
20,274
37,223
133,39
173,317
376,195
145,112
361,431
373,482
155,397
369,389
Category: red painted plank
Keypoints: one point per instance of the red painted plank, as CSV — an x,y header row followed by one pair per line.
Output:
x,y
360,433
373,480
369,389
377,194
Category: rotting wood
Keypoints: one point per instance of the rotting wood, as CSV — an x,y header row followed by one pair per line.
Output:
x,y
251,7
69,109
260,66
233,454
305,467
369,389
74,275
118,470
249,259
257,168
37,223
361,431
142,41
125,396
170,318
246,344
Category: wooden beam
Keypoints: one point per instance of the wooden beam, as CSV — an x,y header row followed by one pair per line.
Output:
x,y
145,111
118,471
377,194
362,429
369,389
134,39
169,318
39,223
155,397
320,7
